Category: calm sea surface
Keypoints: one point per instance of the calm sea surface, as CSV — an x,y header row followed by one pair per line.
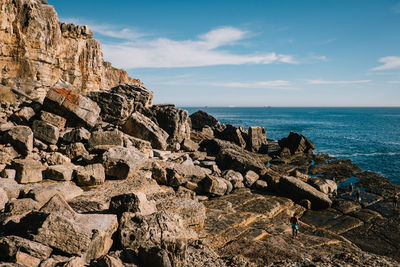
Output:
x,y
368,136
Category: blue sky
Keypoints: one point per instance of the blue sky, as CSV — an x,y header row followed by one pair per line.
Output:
x,y
252,53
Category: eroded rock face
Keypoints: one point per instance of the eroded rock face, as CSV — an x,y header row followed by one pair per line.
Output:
x,y
37,50
200,119
21,137
297,144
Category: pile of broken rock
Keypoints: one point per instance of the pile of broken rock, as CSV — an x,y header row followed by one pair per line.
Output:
x,y
109,179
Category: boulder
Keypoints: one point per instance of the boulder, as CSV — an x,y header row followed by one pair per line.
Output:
x,y
56,225
133,202
76,135
250,178
78,109
140,144
232,134
189,145
121,163
299,190
23,116
297,144
75,150
22,206
238,160
100,140
7,154
11,187
8,173
216,186
326,186
53,119
59,172
11,245
214,146
46,132
27,170
43,193
200,119
57,158
107,261
3,198
21,138
172,120
89,175
257,138
192,212
141,96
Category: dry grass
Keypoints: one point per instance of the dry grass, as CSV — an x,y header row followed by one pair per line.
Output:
x,y
6,95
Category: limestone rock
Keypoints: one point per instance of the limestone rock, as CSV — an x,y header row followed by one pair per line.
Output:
x,y
23,116
89,175
59,172
250,178
256,138
79,109
189,145
216,186
200,119
43,193
296,143
57,158
46,132
142,127
121,163
27,171
53,119
11,245
140,144
134,202
76,135
7,154
75,150
238,160
100,140
192,212
8,173
326,186
22,206
21,138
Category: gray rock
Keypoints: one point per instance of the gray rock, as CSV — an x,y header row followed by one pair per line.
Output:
x,y
59,172
189,145
121,163
21,138
232,134
53,119
76,135
250,178
200,119
77,108
239,160
100,140
27,171
46,132
142,127
75,150
297,144
89,175
256,138
133,202
57,158
11,245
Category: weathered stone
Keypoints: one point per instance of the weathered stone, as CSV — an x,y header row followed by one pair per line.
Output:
x,y
107,261
21,138
3,198
142,145
141,96
90,175
75,150
23,116
121,162
296,143
77,108
216,186
27,171
326,186
250,178
232,176
142,127
45,192
100,140
298,189
53,119
57,158
7,154
134,202
46,132
22,206
200,119
11,245
154,257
192,212
39,144
159,174
189,145
8,173
261,185
232,134
256,138
59,172
238,160
11,187
76,135
172,120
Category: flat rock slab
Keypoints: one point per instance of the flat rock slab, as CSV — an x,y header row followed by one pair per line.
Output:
x,y
42,193
320,218
192,212
345,206
366,215
343,224
367,199
10,245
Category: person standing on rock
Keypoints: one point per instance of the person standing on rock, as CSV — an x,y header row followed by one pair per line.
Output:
x,y
350,189
295,225
395,200
358,197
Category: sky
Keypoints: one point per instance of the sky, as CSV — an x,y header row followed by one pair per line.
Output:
x,y
253,52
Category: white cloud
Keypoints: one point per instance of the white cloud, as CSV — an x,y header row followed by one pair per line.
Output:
x,y
277,84
337,82
391,62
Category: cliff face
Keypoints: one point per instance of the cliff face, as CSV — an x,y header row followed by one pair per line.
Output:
x,y
36,50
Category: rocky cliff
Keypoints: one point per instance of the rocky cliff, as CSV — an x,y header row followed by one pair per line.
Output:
x,y
36,50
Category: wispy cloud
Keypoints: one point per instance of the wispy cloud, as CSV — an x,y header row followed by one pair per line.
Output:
x,y
277,84
394,82
337,82
389,63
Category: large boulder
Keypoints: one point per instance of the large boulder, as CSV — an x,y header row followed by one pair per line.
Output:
x,y
216,186
53,119
58,226
79,109
215,145
27,170
100,140
89,175
257,138
192,212
132,202
121,163
46,132
239,160
42,193
59,172
141,96
10,246
172,120
76,135
21,138
232,134
142,127
299,190
200,119
297,144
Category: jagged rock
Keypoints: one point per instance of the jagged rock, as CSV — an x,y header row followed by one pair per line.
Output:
x,y
43,193
189,145
200,119
142,145
89,175
297,144
256,138
232,134
326,186
58,226
107,261
57,158
53,119
100,140
260,185
75,150
11,245
238,160
134,202
8,173
78,109
76,135
250,178
11,187
216,186
172,120
27,171
3,198
214,146
142,127
22,206
59,172
7,154
141,96
160,230
21,138
192,212
121,163
299,190
46,132
23,116
39,144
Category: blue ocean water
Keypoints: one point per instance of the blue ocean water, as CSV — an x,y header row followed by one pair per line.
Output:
x,y
370,137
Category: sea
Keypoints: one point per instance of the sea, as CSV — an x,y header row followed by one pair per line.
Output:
x,y
370,137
